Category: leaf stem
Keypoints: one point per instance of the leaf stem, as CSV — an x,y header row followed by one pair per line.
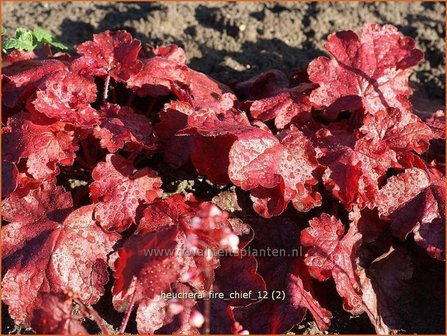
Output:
x,y
96,317
106,89
128,311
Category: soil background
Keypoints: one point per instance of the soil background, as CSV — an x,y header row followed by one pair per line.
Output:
x,y
234,41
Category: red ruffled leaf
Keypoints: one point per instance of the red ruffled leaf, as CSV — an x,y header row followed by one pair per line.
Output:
x,y
414,203
23,78
333,255
371,70
382,286
260,160
400,189
157,76
54,315
122,126
110,53
291,106
285,273
44,146
143,275
397,131
44,250
67,97
118,189
353,170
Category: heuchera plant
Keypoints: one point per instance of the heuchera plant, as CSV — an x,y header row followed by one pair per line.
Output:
x,y
332,159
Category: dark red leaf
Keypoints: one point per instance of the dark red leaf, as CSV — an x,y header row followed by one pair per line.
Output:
x,y
284,273
9,178
53,314
382,286
145,267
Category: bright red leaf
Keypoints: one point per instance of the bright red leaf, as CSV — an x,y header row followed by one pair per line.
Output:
x,y
67,97
23,78
44,146
370,71
118,189
260,160
122,126
110,53
46,250
332,254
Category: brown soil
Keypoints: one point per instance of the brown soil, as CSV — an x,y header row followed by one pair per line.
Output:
x,y
232,41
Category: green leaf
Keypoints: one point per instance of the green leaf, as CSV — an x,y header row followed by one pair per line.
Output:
x,y
25,41
42,35
58,45
29,40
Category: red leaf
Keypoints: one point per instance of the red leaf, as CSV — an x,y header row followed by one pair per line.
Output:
x,y
285,273
110,53
398,131
25,77
157,76
333,255
286,107
44,250
414,203
44,146
400,189
437,124
353,169
142,274
171,52
208,93
67,97
9,178
382,286
122,126
213,135
259,159
173,118
54,315
267,84
245,280
118,188
167,316
373,69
